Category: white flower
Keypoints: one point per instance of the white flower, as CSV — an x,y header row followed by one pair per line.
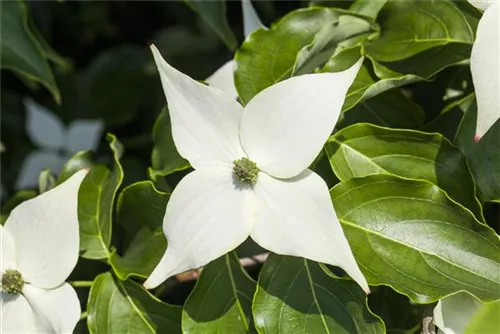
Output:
x,y
282,205
57,142
223,78
454,313
484,62
39,249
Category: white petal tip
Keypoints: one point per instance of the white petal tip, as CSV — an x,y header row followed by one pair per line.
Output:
x,y
148,286
477,138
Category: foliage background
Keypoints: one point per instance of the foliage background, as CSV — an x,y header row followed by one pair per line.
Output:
x,y
101,68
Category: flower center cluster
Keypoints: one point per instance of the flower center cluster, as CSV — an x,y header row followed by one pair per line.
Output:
x,y
12,281
246,170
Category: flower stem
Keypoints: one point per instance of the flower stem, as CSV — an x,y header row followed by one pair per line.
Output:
x,y
81,284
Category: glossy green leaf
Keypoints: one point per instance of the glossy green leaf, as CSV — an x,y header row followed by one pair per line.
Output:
x,y
126,308
221,301
365,149
20,51
411,236
418,67
299,42
165,159
410,27
95,204
368,7
295,295
140,210
386,75
391,109
483,157
214,13
116,85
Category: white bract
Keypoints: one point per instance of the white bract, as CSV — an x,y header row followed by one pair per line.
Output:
x,y
223,78
484,62
251,173
56,142
462,313
39,249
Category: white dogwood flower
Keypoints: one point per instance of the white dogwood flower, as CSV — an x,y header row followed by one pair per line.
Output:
x,y
251,173
484,63
39,249
55,142
223,77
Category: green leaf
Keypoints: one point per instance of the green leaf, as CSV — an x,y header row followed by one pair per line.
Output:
x,y
20,51
221,301
365,86
95,203
126,308
296,295
448,121
367,7
483,157
140,212
214,13
46,181
418,67
116,85
165,159
300,41
391,109
411,236
364,149
410,27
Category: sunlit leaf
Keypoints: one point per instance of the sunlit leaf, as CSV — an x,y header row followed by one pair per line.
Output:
x,y
409,235
364,149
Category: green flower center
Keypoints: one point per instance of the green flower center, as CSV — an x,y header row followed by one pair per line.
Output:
x,y
246,170
12,281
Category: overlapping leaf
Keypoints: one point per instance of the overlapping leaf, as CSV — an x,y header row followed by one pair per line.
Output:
x,y
296,295
298,42
140,212
410,27
364,149
96,199
126,308
409,235
221,301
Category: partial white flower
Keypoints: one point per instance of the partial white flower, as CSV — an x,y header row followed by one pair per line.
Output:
x,y
57,142
39,249
484,62
223,78
453,314
251,173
